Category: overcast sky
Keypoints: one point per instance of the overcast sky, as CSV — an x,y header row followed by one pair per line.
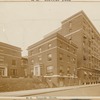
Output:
x,y
24,23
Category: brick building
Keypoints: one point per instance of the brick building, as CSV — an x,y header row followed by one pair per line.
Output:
x,y
55,59
79,30
24,66
82,32
10,60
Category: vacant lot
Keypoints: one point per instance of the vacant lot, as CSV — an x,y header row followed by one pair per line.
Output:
x,y
16,84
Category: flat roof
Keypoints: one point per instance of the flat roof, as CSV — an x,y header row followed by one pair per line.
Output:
x,y
9,46
50,37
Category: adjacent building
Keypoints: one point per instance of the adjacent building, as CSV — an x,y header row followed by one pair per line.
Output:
x,y
24,66
55,59
79,29
10,61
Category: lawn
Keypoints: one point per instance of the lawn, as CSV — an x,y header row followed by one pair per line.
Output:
x,y
17,84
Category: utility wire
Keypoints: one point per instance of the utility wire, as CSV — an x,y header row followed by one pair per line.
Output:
x,y
4,32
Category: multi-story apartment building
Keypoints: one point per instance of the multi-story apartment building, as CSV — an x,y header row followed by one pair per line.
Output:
x,y
79,30
82,32
10,60
55,59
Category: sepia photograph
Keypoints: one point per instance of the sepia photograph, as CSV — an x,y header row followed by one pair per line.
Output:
x,y
50,50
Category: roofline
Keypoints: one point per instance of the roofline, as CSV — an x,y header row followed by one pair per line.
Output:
x,y
78,14
91,23
52,32
11,46
42,40
47,38
74,15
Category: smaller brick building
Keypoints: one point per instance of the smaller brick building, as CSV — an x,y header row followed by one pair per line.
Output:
x,y
54,58
10,61
24,66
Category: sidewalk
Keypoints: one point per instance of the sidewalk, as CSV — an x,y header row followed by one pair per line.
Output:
x,y
40,91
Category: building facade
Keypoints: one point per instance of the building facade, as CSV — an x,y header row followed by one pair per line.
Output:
x,y
82,32
54,58
76,29
10,61
24,66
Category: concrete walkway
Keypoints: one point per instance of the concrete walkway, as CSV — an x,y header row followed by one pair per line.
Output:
x,y
41,91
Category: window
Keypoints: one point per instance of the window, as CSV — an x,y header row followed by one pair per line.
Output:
x,y
14,72
32,52
49,69
13,62
70,26
89,58
22,62
40,58
49,57
84,27
83,43
1,61
74,60
89,29
68,58
49,45
60,44
1,50
40,49
89,65
61,67
84,57
67,47
70,38
84,21
84,50
68,70
60,56
89,43
36,71
32,61
74,51
2,71
84,37
70,30
61,70
89,51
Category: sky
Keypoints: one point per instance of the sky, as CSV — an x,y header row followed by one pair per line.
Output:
x,y
24,23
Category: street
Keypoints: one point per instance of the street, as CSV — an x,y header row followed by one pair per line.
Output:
x,y
76,91
88,92
82,90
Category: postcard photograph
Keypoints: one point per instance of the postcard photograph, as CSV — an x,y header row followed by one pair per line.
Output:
x,y
50,50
